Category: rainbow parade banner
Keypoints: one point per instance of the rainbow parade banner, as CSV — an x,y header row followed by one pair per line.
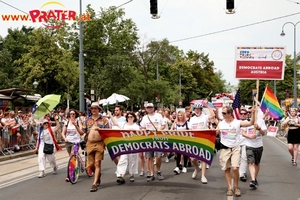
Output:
x,y
198,144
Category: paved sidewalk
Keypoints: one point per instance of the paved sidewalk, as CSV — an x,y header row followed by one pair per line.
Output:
x,y
20,154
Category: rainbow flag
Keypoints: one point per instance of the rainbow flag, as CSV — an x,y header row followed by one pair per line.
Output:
x,y
197,144
269,101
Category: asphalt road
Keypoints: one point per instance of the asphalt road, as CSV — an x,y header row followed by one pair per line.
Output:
x,y
278,180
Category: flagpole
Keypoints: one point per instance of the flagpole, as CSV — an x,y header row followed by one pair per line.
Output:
x,y
256,104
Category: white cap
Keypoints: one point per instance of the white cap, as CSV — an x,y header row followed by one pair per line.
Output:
x,y
149,105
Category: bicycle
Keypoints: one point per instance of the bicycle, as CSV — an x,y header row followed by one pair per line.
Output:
x,y
77,164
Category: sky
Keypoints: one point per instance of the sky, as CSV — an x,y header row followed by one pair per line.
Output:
x,y
198,25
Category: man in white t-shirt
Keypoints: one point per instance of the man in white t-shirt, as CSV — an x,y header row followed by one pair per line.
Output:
x,y
254,148
230,152
147,123
119,118
200,122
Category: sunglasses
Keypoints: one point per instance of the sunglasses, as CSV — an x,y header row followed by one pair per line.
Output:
x,y
130,117
243,113
224,113
45,123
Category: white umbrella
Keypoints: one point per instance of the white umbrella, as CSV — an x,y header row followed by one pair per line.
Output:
x,y
102,101
115,98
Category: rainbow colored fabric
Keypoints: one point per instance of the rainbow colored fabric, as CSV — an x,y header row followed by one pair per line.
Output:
x,y
196,144
269,101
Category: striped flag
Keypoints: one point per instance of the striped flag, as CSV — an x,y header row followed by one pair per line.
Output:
x,y
269,101
236,105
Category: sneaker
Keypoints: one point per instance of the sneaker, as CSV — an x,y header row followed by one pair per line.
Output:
x,y
142,173
148,173
120,180
159,176
176,171
237,192
150,178
55,170
184,170
195,174
41,175
243,178
167,159
131,179
203,180
253,184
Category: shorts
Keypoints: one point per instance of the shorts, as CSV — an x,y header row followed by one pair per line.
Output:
x,y
95,150
151,154
230,157
254,154
69,146
5,134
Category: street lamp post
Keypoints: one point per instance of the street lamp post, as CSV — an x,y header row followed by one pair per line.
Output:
x,y
295,69
81,64
35,84
180,101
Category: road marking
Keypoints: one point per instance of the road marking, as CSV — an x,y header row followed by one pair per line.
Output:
x,y
27,177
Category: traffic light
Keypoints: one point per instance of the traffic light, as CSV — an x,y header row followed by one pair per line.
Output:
x,y
153,7
229,5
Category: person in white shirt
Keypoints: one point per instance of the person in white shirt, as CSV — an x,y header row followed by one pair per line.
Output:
x,y
230,152
130,161
153,121
200,121
254,148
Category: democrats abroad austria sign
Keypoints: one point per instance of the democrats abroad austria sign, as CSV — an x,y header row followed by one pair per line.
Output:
x,y
196,144
265,63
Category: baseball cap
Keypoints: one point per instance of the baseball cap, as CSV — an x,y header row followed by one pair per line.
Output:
x,y
149,105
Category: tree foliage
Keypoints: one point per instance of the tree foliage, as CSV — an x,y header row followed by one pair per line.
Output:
x,y
114,61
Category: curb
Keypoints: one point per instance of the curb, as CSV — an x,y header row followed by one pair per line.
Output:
x,y
21,154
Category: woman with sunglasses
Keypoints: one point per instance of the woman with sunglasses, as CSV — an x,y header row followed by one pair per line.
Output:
x,y
46,135
130,160
180,124
70,133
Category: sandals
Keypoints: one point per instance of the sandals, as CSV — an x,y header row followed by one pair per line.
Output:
x,y
229,193
94,188
67,179
294,164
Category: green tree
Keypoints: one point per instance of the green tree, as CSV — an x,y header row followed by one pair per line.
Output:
x,y
51,65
